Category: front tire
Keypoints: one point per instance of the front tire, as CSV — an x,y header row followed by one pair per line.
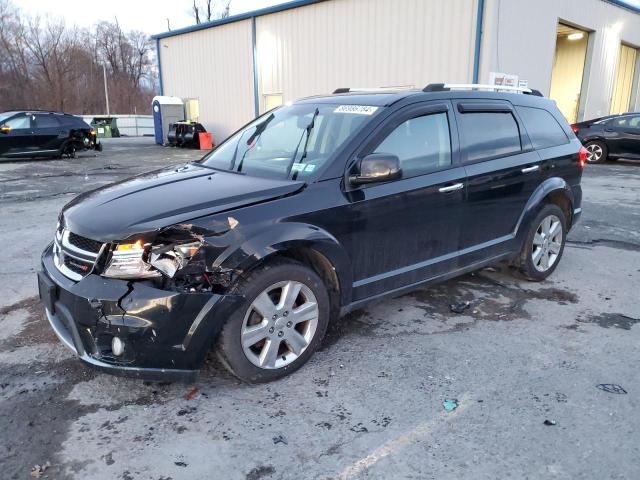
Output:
x,y
279,324
597,152
544,244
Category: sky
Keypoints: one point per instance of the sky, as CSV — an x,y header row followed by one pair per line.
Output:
x,y
149,16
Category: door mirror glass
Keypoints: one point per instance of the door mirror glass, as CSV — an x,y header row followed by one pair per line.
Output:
x,y
5,128
377,167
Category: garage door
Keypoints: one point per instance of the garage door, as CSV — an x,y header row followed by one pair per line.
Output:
x,y
625,75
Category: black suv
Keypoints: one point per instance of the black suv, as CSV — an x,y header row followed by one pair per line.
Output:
x,y
611,137
44,134
308,212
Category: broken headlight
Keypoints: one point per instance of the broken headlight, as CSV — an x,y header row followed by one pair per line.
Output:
x,y
170,258
128,261
137,261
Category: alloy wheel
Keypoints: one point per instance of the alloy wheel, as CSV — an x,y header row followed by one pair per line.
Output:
x,y
279,325
547,243
594,153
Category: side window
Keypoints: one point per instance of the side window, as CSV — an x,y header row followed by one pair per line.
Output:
x,y
488,134
627,122
46,121
544,131
18,122
422,144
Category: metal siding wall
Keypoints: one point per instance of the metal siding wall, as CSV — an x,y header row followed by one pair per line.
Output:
x,y
214,66
520,39
365,43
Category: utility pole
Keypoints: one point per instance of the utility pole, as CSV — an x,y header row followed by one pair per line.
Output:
x,y
106,90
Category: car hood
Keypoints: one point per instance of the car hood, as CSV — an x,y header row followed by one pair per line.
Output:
x,y
165,197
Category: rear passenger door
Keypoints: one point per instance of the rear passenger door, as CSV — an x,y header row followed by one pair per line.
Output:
x,y
502,172
49,133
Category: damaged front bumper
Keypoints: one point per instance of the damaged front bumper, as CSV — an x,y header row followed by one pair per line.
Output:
x,y
166,333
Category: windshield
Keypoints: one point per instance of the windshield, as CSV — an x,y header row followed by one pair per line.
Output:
x,y
5,115
290,142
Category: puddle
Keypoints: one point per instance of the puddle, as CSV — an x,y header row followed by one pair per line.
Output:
x,y
35,328
609,320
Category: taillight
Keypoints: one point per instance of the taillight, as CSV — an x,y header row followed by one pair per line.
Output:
x,y
582,157
575,129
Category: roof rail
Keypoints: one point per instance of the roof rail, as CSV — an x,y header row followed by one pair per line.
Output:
x,y
445,87
372,90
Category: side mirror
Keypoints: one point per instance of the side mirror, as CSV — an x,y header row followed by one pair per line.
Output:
x,y
377,167
5,128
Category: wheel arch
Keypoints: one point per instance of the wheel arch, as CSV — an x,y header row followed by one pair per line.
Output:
x,y
554,190
307,244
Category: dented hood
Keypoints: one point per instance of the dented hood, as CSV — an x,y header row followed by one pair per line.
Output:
x,y
164,197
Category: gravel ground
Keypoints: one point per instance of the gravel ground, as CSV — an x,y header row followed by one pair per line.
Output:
x,y
370,403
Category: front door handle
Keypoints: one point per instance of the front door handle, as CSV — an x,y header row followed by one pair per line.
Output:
x,y
451,188
530,169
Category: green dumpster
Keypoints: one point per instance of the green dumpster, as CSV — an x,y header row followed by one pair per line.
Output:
x,y
106,127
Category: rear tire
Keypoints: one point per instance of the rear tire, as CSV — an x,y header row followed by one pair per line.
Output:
x,y
279,324
544,243
68,149
597,151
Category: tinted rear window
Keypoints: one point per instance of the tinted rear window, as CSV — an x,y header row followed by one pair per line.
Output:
x,y
544,130
46,121
489,134
73,121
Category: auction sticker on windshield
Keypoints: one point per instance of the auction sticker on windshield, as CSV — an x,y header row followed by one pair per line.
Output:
x,y
357,109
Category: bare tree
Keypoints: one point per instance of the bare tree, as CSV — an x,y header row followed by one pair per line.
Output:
x,y
46,64
214,9
196,12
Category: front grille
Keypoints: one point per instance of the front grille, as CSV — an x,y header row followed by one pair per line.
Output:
x,y
84,243
78,266
75,256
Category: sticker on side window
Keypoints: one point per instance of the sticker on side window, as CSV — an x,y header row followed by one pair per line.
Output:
x,y
357,109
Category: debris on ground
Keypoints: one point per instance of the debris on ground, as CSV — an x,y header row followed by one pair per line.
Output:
x,y
459,307
38,470
611,388
186,411
180,464
192,393
550,422
450,404
280,439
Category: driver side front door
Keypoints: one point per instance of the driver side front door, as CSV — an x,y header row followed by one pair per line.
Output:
x,y
403,232
18,141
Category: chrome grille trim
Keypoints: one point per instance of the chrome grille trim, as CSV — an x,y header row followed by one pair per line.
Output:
x,y
62,249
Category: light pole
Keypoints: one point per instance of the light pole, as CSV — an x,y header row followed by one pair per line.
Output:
x,y
106,90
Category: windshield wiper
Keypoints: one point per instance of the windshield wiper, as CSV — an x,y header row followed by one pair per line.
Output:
x,y
306,131
251,141
204,165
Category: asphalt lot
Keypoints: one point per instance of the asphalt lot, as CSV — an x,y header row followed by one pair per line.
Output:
x,y
370,403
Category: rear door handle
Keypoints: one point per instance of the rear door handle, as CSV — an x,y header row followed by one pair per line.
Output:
x,y
530,169
451,188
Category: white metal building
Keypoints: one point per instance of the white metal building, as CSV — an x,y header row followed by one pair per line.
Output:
x,y
582,53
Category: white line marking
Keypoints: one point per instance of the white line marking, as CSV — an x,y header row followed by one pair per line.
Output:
x,y
393,446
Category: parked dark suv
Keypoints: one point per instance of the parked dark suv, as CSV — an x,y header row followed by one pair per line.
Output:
x,y
310,211
44,134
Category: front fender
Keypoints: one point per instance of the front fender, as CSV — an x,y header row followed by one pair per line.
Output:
x,y
281,237
550,185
